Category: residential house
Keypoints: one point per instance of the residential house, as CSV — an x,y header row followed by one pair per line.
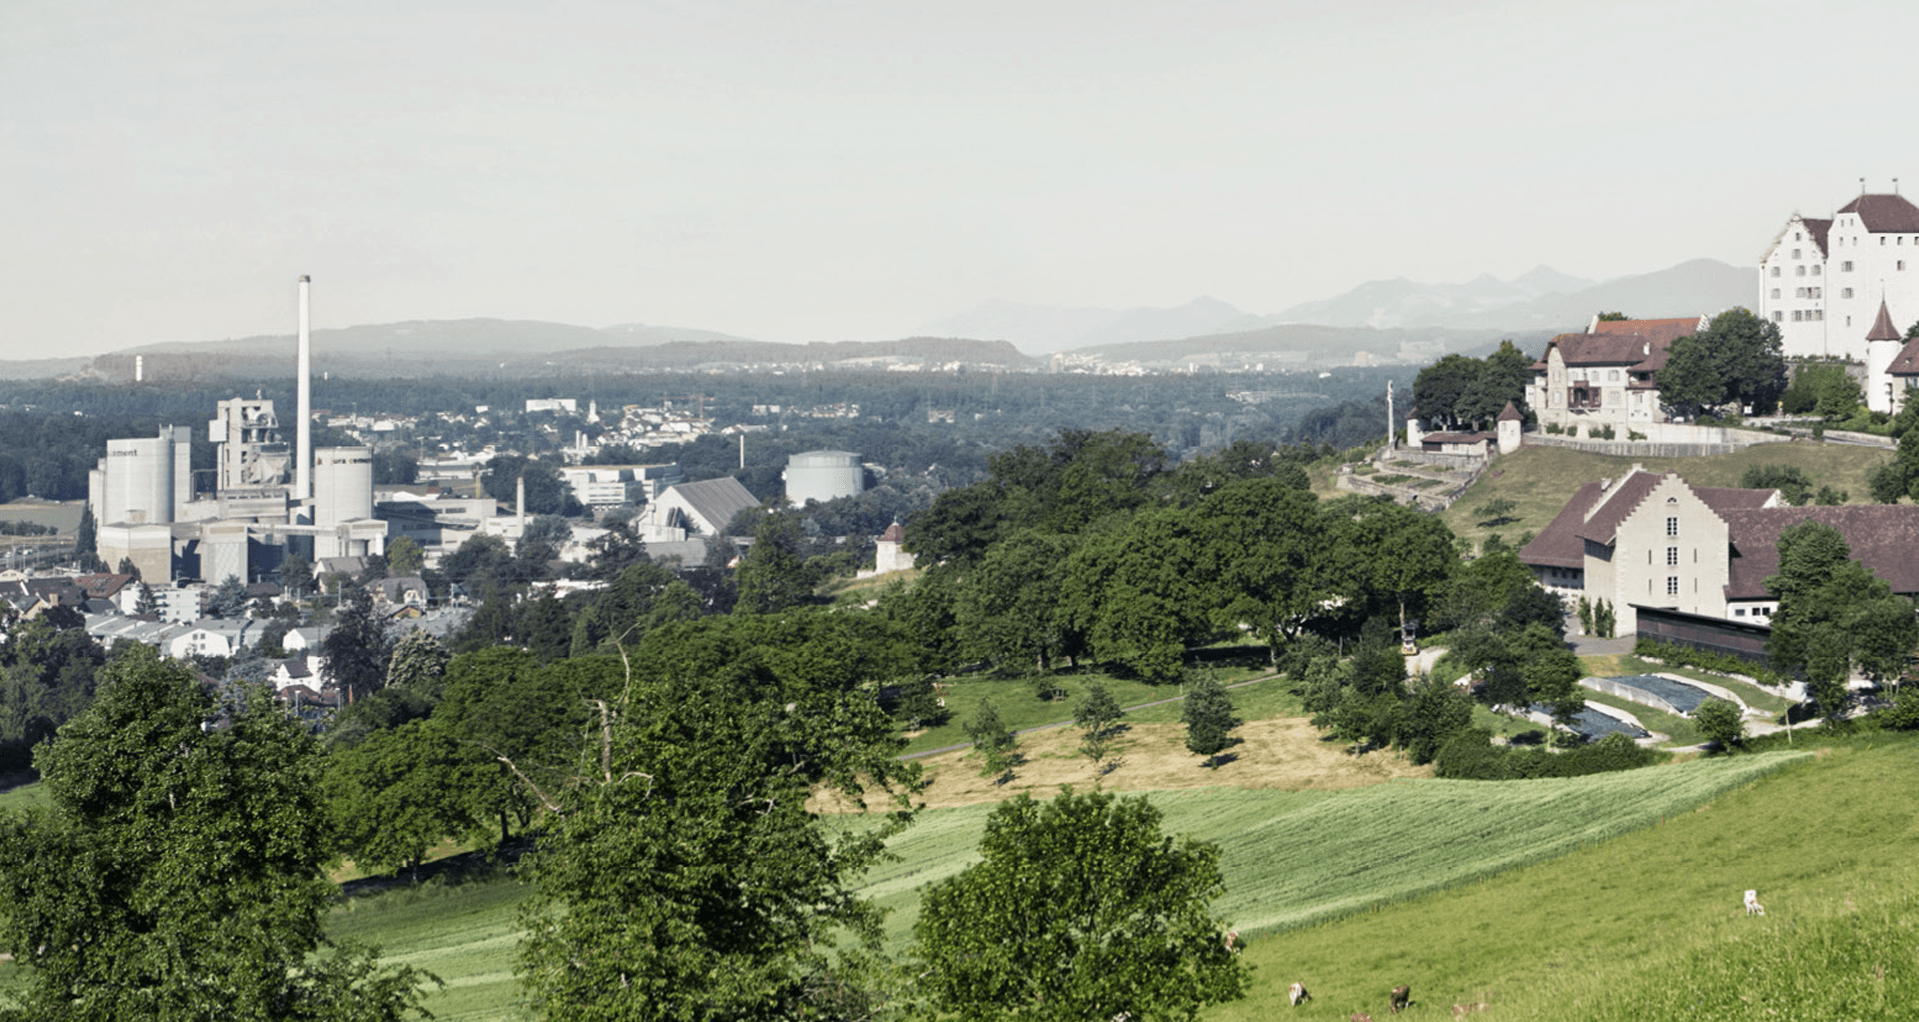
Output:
x,y
1606,377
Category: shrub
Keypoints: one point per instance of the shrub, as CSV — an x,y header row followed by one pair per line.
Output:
x,y
1555,428
1603,433
1721,723
1471,756
1706,660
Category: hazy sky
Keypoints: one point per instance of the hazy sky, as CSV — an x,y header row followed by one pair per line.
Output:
x,y
851,170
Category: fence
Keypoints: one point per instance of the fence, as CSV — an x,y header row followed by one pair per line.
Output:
x,y
1640,448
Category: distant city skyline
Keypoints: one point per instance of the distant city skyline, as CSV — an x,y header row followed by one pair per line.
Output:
x,y
856,170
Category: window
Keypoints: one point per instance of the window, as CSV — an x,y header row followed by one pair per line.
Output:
x,y
1795,253
1845,292
1672,526
1778,317
1775,271
1845,267
1775,292
1672,585
1795,315
1672,557
1818,314
1815,269
1799,271
1739,612
1815,292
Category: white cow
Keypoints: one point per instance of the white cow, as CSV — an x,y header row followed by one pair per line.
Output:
x,y
1298,995
1753,908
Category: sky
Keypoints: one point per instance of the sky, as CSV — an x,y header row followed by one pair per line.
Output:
x,y
854,169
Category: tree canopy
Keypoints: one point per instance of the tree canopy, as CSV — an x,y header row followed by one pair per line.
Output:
x,y
1738,360
1079,909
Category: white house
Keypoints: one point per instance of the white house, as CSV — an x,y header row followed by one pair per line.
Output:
x,y
1606,376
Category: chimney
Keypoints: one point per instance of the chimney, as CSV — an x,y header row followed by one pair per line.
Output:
x,y
519,494
303,444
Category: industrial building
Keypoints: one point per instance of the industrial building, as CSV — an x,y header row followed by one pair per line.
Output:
x,y
823,476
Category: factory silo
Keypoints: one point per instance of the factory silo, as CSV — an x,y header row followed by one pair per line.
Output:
x,y
823,476
342,484
138,477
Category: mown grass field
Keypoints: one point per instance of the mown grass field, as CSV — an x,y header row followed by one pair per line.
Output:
x,y
1292,858
1648,925
1539,480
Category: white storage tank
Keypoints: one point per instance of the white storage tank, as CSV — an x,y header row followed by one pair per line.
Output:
x,y
823,476
342,484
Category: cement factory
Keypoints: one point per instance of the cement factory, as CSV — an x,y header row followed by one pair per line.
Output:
x,y
265,503
268,501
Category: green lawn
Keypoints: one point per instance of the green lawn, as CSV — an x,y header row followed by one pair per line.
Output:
x,y
1652,918
1294,858
1020,708
22,797
464,933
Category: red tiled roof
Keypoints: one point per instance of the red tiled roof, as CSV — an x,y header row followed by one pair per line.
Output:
x,y
1883,537
894,533
1558,545
1666,330
1885,214
1619,502
1906,363
1510,414
1642,353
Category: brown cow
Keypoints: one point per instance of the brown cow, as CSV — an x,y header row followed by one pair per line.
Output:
x,y
1402,996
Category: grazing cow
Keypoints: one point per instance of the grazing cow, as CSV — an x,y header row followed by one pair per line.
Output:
x,y
1402,996
1232,938
1297,994
1753,908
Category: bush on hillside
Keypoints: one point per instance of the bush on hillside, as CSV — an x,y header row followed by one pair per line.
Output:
x,y
1706,660
1471,756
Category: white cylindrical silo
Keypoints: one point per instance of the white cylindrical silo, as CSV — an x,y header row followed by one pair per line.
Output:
x,y
138,481
823,476
342,484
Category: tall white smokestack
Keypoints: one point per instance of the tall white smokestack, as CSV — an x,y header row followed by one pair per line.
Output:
x,y
519,500
303,445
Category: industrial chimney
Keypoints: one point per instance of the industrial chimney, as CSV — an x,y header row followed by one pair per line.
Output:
x,y
303,445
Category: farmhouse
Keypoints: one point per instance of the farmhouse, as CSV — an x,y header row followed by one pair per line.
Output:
x,y
1653,540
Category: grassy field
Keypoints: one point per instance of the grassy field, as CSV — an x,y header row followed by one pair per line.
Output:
x,y
22,797
1020,708
1539,480
1292,858
463,933
1653,915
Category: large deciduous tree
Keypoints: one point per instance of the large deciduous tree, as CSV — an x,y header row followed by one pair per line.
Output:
x,y
176,872
1834,614
1208,716
1738,359
1080,909
683,874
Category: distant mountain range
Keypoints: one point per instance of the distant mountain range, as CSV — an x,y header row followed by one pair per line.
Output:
x,y
1542,299
1380,321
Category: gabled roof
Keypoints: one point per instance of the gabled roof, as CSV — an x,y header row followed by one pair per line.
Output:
x,y
1596,511
1640,352
102,585
1659,330
1906,363
1885,214
896,532
1883,537
1818,229
716,500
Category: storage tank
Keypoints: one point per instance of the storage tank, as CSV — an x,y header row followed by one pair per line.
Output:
x,y
342,484
822,476
138,477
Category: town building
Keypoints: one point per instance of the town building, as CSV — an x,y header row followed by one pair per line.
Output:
x,y
1654,540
